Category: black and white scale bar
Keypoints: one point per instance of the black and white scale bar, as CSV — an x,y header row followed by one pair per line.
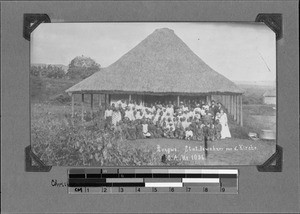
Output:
x,y
152,180
152,173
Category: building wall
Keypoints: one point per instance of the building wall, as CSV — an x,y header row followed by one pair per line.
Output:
x,y
148,99
270,100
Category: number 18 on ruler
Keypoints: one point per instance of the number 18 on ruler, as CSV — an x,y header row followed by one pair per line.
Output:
x,y
102,181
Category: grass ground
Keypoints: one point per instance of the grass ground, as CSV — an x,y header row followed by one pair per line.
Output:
x,y
222,152
60,140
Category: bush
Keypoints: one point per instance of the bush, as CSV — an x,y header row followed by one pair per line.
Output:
x,y
61,98
69,142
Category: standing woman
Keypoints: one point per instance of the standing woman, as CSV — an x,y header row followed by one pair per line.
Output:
x,y
116,116
224,122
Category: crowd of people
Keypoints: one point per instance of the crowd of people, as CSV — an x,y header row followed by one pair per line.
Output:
x,y
190,121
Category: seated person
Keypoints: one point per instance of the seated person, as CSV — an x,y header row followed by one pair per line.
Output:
x,y
153,108
131,131
184,123
171,132
197,109
139,114
170,109
151,129
207,118
197,115
199,132
190,114
129,113
205,129
211,134
193,128
156,117
180,133
165,128
139,130
131,104
159,130
148,114
145,129
188,133
205,106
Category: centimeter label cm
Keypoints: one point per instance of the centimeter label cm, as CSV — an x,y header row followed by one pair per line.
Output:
x,y
191,189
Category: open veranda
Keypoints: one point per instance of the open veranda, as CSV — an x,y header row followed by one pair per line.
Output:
x,y
187,121
130,134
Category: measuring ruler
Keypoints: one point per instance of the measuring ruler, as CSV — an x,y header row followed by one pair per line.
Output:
x,y
125,180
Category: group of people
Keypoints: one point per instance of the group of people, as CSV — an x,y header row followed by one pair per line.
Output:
x,y
190,121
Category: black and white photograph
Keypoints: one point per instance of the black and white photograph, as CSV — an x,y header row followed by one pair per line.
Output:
x,y
153,93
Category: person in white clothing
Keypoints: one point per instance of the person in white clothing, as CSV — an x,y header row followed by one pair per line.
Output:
x,y
108,116
145,129
129,114
188,134
131,104
197,109
225,133
139,114
116,116
139,106
170,109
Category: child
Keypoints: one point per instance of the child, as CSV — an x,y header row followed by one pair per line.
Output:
x,y
199,133
148,114
151,129
183,123
179,130
218,129
171,132
156,117
171,128
205,131
125,129
118,128
131,131
207,118
211,135
159,130
138,115
145,129
139,130
181,133
108,116
165,129
188,133
193,127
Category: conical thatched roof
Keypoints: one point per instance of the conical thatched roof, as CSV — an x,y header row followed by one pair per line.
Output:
x,y
161,64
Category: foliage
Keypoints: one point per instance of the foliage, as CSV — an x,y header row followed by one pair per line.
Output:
x,y
61,98
82,67
66,141
49,71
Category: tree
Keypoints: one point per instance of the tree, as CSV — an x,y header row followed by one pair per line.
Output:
x,y
49,71
82,67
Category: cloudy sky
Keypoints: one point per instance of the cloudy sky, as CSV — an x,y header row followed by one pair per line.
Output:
x,y
241,52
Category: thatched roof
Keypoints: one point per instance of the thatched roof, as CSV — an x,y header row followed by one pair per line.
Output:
x,y
161,64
